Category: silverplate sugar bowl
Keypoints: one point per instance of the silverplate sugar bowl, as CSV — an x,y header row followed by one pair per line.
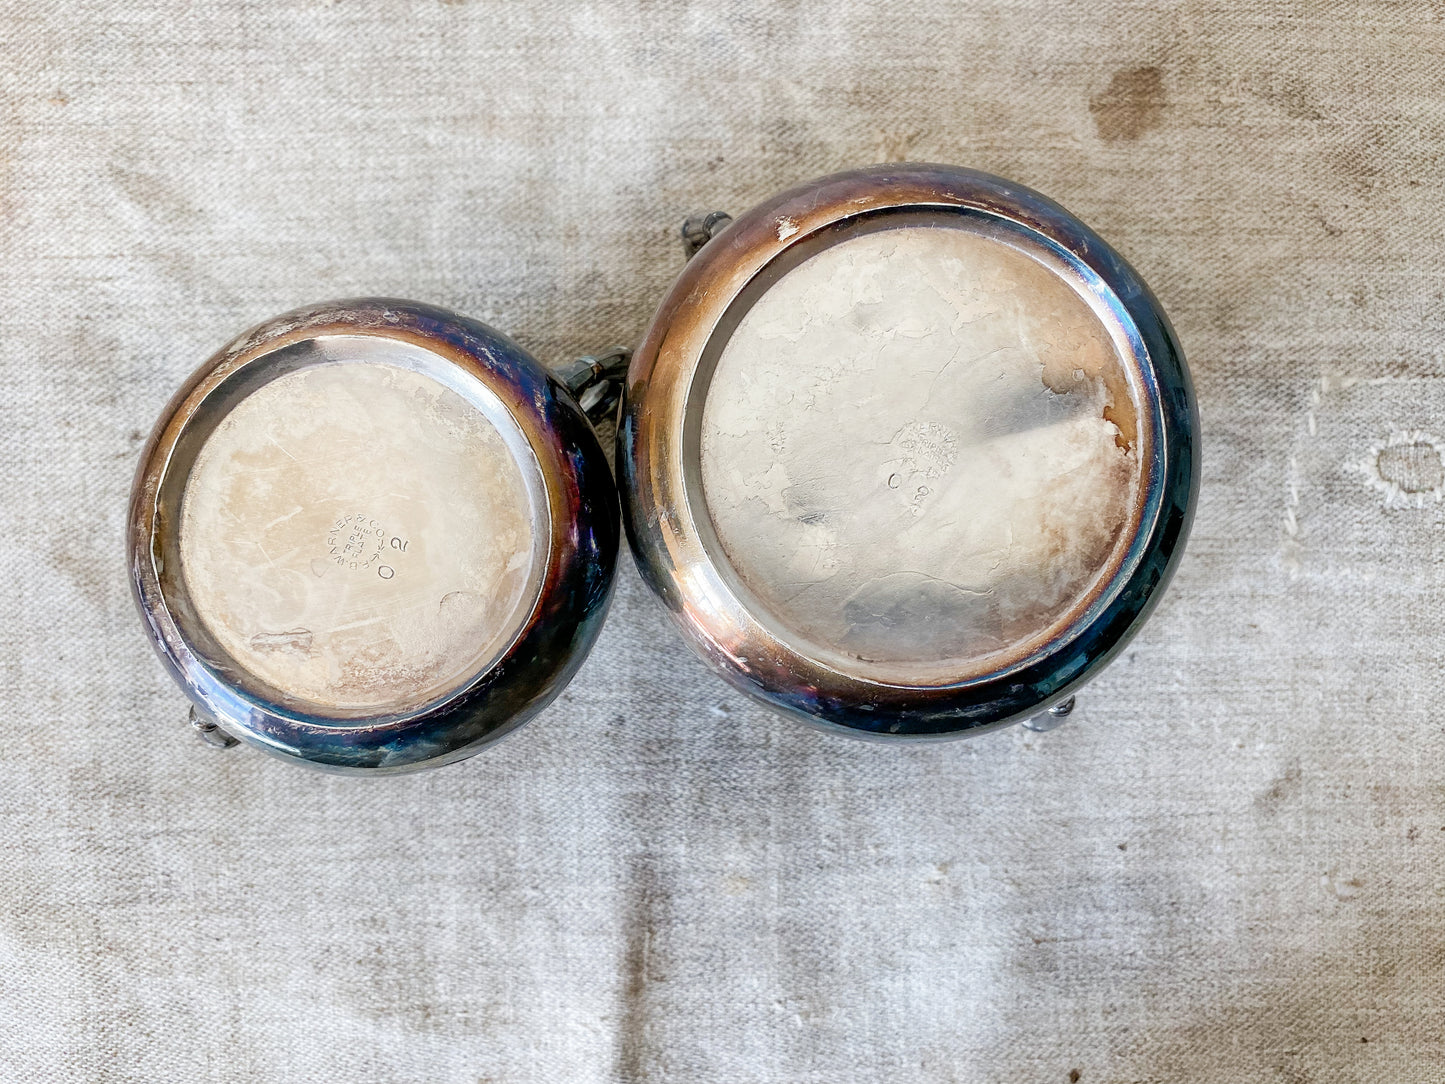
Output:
x,y
908,451
372,535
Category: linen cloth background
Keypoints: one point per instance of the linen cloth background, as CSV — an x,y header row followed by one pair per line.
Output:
x,y
1230,867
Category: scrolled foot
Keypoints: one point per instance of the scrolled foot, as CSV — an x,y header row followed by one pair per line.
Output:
x,y
1056,716
210,733
698,230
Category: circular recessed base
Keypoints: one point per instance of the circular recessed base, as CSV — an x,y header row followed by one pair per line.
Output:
x,y
920,450
358,535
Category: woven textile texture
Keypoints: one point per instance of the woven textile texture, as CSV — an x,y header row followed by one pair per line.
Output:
x,y
1229,867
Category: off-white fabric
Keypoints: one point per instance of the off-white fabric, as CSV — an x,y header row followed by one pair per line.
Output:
x,y
1230,867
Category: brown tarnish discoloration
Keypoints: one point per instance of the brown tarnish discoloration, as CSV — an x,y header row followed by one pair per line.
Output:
x,y
649,904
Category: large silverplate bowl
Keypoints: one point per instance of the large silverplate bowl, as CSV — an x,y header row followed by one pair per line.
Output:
x,y
707,535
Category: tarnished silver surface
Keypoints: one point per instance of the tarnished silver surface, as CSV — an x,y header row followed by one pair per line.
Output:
x,y
908,451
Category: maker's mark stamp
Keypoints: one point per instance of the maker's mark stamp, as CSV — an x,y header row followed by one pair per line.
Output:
x,y
357,541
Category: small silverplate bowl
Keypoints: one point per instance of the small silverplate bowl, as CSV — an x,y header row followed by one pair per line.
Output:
x,y
908,451
372,535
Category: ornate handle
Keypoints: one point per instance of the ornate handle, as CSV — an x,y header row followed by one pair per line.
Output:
x,y
596,380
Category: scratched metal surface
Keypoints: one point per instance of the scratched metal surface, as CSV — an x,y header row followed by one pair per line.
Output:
x,y
270,520
928,400
1230,867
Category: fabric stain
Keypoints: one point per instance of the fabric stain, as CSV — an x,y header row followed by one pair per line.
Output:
x,y
1284,788
1132,104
